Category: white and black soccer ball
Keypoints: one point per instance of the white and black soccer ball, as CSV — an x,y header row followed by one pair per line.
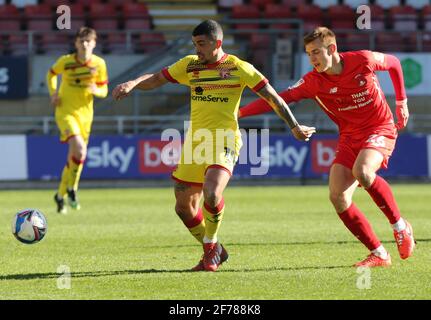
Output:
x,y
29,226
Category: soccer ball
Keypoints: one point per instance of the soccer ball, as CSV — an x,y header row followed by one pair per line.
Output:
x,y
29,226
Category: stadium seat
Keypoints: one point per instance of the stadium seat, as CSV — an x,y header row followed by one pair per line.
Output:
x,y
357,41
378,18
103,16
38,17
324,4
294,3
115,43
261,4
245,12
417,4
10,19
390,42
312,16
136,16
426,15
341,17
54,42
149,42
278,11
17,44
403,18
77,15
386,4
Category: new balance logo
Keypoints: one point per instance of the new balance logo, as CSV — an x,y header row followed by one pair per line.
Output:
x,y
333,90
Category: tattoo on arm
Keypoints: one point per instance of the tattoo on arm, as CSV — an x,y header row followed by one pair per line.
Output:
x,y
181,187
278,104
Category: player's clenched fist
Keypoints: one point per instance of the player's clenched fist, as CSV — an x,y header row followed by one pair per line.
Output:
x,y
123,90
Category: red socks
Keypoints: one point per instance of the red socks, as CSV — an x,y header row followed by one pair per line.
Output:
x,y
359,226
382,195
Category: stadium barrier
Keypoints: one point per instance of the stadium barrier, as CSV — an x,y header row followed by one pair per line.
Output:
x,y
147,157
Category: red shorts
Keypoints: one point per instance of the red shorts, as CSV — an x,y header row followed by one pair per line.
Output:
x,y
349,147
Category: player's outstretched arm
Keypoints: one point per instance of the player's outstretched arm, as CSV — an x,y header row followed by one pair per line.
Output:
x,y
283,111
144,82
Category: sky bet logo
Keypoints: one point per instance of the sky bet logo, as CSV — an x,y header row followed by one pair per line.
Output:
x,y
105,156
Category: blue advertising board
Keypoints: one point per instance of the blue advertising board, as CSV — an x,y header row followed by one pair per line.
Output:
x,y
281,156
13,77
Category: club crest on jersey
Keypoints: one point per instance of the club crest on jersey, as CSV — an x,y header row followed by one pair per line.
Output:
x,y
361,80
199,91
224,73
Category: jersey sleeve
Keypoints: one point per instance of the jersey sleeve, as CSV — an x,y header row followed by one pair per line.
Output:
x,y
177,72
51,76
385,62
102,80
58,66
294,93
251,77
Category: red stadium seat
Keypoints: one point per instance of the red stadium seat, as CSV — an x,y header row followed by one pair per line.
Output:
x,y
341,17
403,18
245,12
57,42
17,44
77,16
378,17
294,3
274,11
260,41
103,16
389,42
136,16
10,18
38,17
261,3
357,41
312,16
149,42
115,43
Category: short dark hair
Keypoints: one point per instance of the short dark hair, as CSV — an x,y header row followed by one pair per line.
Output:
x,y
86,32
209,28
326,35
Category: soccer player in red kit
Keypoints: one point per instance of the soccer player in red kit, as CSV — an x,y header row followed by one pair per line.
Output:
x,y
347,89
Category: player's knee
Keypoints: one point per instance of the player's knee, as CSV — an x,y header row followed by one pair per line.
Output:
x,y
183,210
364,175
338,199
212,197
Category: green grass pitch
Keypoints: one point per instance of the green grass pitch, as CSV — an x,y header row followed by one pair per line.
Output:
x,y
284,243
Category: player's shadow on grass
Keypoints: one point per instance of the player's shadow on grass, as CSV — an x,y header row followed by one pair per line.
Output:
x,y
84,274
92,274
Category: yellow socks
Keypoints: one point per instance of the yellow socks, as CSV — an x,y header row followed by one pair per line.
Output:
x,y
62,188
213,218
197,226
75,169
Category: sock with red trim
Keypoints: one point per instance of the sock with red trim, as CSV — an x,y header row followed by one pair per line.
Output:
x,y
213,219
196,226
75,169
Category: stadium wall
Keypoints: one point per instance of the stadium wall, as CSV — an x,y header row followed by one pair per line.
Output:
x,y
40,158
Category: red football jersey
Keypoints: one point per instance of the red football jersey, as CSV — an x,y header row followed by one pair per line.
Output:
x,y
352,99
